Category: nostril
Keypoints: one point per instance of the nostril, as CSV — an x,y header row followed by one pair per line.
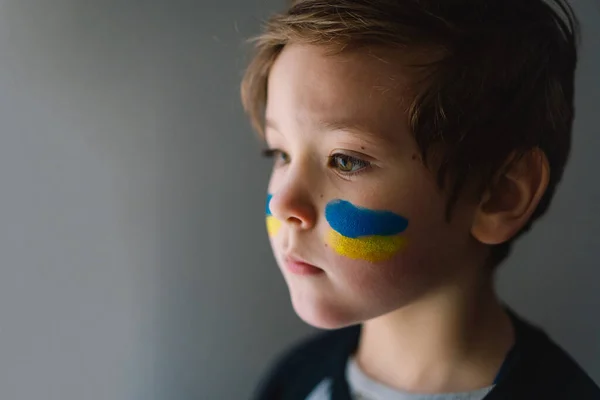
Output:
x,y
294,220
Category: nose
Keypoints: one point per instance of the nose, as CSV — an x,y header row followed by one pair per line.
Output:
x,y
293,208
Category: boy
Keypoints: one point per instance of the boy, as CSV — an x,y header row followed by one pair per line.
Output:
x,y
413,141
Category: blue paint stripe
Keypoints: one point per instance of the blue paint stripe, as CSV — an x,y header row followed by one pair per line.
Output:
x,y
268,208
352,221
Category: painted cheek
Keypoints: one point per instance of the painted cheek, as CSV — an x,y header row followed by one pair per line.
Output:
x,y
363,234
273,224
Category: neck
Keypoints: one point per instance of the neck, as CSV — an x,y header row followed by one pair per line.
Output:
x,y
452,340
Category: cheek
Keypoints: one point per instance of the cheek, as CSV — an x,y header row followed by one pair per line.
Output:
x,y
374,249
273,224
393,281
379,254
359,233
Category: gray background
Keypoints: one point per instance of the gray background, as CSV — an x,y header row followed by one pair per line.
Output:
x,y
134,259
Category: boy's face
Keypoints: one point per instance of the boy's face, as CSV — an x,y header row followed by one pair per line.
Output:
x,y
350,195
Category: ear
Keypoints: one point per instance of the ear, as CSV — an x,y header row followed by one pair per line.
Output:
x,y
509,203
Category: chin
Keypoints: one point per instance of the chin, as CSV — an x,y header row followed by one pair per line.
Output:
x,y
323,314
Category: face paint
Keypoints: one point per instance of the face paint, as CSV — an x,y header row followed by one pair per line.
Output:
x,y
273,224
360,233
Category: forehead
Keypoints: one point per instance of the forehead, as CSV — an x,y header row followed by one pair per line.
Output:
x,y
368,89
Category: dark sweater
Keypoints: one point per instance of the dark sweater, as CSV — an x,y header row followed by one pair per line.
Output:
x,y
537,368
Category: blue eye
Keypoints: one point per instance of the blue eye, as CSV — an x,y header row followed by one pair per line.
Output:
x,y
346,164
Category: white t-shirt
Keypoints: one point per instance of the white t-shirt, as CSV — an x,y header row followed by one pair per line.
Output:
x,y
364,388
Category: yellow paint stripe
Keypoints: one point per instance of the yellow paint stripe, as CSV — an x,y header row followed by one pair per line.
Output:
x,y
273,225
369,248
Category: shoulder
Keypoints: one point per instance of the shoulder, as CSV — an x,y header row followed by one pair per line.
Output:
x,y
545,370
306,364
567,380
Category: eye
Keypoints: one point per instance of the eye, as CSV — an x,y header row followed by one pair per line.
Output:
x,y
279,157
346,164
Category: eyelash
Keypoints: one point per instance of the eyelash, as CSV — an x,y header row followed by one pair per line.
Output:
x,y
272,153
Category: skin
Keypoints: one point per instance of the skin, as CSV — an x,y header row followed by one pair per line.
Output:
x,y
431,320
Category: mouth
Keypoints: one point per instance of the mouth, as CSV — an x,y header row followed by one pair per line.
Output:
x,y
299,267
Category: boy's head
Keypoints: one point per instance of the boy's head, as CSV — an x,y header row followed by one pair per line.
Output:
x,y
414,140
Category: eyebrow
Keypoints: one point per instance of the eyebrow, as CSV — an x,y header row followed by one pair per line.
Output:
x,y
350,126
356,129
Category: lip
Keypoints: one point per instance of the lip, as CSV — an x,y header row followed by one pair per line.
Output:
x,y
299,267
